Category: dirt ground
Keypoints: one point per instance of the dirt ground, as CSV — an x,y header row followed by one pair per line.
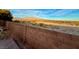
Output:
x,y
8,44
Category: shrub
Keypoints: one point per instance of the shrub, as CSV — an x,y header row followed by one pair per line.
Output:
x,y
41,24
16,21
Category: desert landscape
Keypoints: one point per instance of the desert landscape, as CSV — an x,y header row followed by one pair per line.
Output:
x,y
47,21
39,29
70,27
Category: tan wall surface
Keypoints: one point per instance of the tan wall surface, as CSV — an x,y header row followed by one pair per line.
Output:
x,y
32,37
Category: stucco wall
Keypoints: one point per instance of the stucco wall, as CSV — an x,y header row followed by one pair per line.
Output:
x,y
32,37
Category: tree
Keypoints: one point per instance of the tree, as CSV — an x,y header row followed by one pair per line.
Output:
x,y
5,15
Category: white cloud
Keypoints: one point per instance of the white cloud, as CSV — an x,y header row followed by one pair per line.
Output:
x,y
62,12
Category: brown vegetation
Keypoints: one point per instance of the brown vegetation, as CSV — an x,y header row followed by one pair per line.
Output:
x,y
49,22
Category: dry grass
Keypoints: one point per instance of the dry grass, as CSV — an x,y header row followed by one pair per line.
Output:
x,y
48,22
71,27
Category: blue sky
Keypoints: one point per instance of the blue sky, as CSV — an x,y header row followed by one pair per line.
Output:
x,y
51,14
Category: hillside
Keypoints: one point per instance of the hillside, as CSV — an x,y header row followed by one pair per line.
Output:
x,y
48,22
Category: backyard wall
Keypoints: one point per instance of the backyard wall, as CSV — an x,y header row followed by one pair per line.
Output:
x,y
32,37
